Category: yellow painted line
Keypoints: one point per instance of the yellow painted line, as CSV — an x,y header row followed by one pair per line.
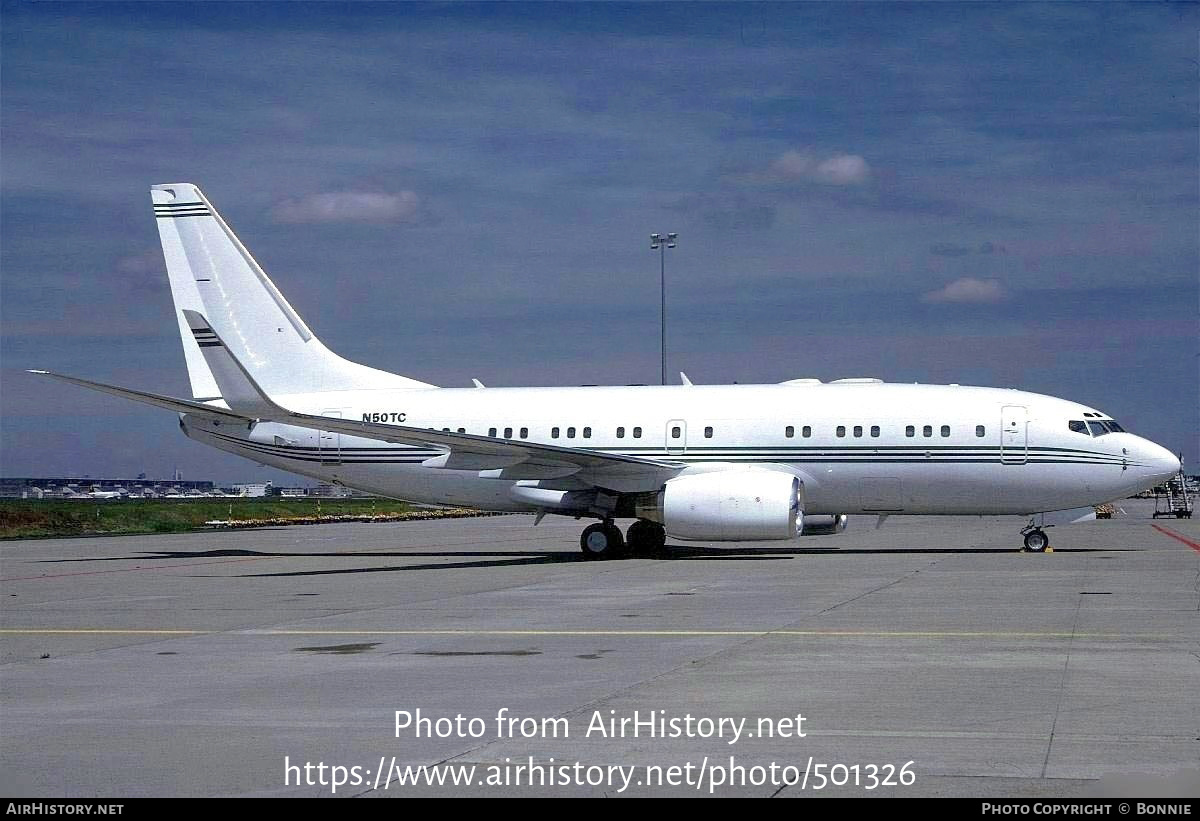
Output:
x,y
899,634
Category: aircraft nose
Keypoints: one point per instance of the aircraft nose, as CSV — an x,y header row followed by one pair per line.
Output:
x,y
1162,463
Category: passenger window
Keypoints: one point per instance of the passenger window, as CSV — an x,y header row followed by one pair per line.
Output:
x,y
708,433
620,433
789,431
1078,426
462,430
587,433
910,431
553,433
841,430
570,433
637,433
676,432
945,430
445,430
491,431
508,433
524,433
875,431
858,430
927,430
980,431
806,431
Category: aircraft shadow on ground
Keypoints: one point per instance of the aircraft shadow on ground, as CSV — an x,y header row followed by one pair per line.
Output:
x,y
497,559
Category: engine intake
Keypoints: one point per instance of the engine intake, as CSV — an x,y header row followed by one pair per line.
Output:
x,y
740,504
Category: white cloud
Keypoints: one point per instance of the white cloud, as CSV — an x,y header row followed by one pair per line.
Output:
x,y
838,169
843,169
349,206
968,291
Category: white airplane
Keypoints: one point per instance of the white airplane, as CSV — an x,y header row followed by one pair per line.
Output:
x,y
709,463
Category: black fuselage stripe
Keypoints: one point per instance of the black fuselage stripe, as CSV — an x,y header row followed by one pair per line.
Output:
x,y
348,456
393,454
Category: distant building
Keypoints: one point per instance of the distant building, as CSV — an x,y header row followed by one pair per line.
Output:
x,y
143,488
70,487
330,491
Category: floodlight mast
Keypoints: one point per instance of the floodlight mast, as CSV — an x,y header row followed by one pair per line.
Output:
x,y
660,243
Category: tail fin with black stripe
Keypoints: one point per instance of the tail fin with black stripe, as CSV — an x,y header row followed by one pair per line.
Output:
x,y
213,274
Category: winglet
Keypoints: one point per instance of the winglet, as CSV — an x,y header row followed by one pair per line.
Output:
x,y
683,379
478,384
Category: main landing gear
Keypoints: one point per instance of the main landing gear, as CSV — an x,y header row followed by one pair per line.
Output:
x,y
1036,540
603,540
646,538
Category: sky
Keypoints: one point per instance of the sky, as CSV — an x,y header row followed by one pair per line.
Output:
x,y
990,194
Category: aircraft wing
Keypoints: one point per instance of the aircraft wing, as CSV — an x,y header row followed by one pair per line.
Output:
x,y
508,458
512,459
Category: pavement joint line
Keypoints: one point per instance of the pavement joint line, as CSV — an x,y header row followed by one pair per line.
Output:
x,y
786,633
1062,688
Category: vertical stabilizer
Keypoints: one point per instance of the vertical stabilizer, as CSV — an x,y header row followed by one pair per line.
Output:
x,y
212,273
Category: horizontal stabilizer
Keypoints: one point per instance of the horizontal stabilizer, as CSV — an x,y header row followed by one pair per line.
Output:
x,y
157,400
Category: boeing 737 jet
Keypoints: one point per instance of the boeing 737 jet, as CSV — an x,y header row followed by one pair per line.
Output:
x,y
693,462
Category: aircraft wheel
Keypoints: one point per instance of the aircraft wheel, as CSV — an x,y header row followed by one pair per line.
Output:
x,y
1036,541
601,541
646,538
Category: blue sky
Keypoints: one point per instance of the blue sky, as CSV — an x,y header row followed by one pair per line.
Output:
x,y
983,193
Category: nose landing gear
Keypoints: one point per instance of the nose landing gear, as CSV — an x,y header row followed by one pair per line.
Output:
x,y
1036,540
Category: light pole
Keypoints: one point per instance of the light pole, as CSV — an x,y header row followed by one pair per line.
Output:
x,y
660,243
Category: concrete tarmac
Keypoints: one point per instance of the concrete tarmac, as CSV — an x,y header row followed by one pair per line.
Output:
x,y
926,658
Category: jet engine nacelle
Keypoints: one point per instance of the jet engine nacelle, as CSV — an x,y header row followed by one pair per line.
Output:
x,y
824,525
732,505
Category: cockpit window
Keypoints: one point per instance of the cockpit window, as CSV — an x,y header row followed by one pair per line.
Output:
x,y
1078,426
1104,426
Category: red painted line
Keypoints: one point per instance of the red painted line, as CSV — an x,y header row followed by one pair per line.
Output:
x,y
135,569
1193,545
